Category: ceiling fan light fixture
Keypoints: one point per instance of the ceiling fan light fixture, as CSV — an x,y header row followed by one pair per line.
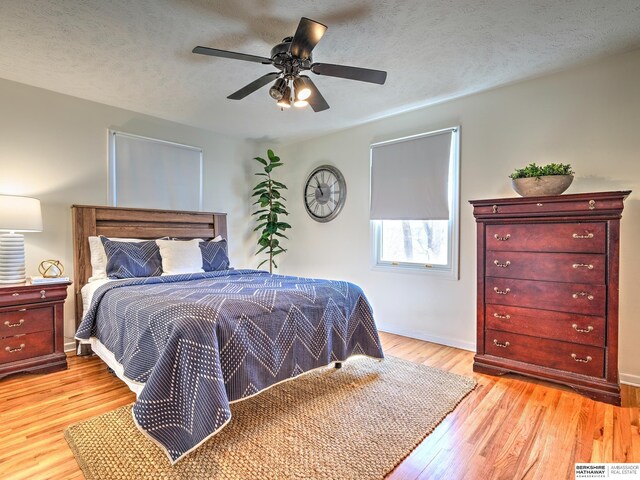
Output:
x,y
285,101
299,102
278,89
302,90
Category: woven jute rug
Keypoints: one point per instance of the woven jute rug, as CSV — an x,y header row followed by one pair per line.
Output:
x,y
357,422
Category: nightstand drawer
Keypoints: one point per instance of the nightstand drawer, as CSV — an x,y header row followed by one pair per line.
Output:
x,y
26,346
570,357
547,237
25,320
32,295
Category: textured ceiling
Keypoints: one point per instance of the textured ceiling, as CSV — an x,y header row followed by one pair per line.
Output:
x,y
136,54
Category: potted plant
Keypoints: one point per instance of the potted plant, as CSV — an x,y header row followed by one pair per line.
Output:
x,y
534,180
270,205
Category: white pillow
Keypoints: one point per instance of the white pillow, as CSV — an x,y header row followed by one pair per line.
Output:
x,y
180,256
99,256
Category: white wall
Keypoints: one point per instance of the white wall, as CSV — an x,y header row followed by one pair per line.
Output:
x,y
54,147
589,117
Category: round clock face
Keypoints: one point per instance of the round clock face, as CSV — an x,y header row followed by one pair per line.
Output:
x,y
324,193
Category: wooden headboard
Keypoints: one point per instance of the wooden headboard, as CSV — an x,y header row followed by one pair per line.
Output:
x,y
89,220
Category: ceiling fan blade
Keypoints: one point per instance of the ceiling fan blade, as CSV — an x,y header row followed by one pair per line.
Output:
x,y
351,73
214,52
307,36
316,100
253,86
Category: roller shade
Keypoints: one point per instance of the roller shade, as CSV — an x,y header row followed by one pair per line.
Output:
x,y
152,173
410,178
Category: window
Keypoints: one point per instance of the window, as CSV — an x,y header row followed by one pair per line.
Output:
x,y
414,203
151,173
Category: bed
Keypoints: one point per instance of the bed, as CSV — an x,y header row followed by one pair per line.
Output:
x,y
190,344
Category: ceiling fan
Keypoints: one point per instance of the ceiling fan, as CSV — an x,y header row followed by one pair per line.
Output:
x,y
291,58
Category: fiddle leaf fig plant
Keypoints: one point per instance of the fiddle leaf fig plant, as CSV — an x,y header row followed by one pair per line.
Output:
x,y
271,207
537,171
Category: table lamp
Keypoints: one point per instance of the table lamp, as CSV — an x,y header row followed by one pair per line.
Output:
x,y
17,214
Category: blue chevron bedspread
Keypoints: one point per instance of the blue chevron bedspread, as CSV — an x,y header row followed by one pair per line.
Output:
x,y
203,340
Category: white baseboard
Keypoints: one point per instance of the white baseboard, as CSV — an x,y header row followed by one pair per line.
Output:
x,y
449,342
629,379
70,346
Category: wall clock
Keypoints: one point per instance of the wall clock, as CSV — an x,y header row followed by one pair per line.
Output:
x,y
325,192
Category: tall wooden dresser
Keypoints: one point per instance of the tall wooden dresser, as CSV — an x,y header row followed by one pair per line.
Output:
x,y
547,304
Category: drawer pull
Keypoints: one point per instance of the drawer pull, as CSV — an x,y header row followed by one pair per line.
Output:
x,y
582,330
43,294
501,345
583,294
15,294
12,350
592,204
502,239
503,317
22,310
581,360
501,292
588,235
501,265
11,325
583,265
495,209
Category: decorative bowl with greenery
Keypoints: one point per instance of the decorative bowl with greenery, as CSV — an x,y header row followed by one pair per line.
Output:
x,y
534,180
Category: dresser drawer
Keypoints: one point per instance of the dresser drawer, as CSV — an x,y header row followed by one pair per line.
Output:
x,y
25,320
32,295
531,207
25,346
587,299
559,267
571,357
547,237
569,327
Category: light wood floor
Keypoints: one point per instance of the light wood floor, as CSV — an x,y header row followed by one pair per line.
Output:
x,y
507,428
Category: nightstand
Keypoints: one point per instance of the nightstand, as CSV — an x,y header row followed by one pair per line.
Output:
x,y
31,328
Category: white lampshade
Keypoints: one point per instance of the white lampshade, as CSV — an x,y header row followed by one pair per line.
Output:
x,y
20,214
17,214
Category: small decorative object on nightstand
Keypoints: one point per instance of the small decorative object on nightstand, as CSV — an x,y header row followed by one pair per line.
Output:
x,y
31,328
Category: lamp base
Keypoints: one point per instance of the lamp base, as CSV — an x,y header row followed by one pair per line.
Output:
x,y
12,268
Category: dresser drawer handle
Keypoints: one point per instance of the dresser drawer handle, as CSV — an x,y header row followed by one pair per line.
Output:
x,y
11,325
501,345
501,265
502,239
501,292
582,330
583,294
581,360
588,235
503,317
588,266
12,350
43,294
15,294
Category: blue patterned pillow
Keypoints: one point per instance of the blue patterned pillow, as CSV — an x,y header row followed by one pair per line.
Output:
x,y
132,259
214,256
